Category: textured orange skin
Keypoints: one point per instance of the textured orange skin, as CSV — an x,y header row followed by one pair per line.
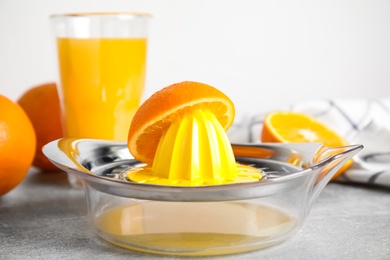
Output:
x,y
168,99
267,136
42,106
17,144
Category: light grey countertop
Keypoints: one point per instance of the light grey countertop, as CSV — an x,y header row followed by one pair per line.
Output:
x,y
44,218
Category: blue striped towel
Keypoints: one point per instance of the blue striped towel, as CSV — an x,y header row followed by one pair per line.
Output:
x,y
360,121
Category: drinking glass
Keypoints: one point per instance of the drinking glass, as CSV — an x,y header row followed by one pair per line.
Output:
x,y
101,63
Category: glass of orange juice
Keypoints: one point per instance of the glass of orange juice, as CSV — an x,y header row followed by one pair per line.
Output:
x,y
102,64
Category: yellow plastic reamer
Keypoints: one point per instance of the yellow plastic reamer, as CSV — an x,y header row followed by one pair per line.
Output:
x,y
194,151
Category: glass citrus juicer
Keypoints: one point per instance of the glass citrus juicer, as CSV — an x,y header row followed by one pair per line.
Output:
x,y
201,195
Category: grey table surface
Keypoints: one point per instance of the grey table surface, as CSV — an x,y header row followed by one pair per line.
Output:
x,y
44,218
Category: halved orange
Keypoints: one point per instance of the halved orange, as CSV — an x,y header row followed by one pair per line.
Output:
x,y
295,127
158,112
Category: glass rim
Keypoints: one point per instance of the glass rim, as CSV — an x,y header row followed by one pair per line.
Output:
x,y
100,14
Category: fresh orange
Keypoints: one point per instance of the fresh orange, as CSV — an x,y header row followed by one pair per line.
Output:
x,y
294,127
157,113
41,104
17,144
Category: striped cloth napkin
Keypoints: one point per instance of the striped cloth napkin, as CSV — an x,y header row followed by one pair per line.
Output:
x,y
360,121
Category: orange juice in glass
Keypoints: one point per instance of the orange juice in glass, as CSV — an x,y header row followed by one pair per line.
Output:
x,y
102,63
102,81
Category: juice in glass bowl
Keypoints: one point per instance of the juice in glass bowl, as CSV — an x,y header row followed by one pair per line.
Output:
x,y
179,187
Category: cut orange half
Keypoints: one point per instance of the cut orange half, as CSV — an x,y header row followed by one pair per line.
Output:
x,y
158,112
294,127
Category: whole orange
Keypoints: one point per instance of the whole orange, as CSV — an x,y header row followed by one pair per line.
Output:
x,y
17,144
42,106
